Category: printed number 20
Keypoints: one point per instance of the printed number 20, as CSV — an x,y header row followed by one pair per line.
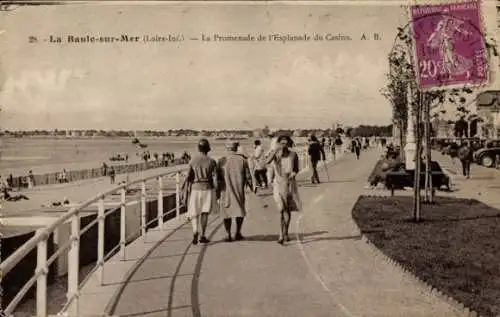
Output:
x,y
428,68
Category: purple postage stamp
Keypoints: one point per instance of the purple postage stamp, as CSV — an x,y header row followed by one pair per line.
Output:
x,y
449,46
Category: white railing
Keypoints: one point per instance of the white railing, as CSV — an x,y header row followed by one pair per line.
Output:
x,y
40,239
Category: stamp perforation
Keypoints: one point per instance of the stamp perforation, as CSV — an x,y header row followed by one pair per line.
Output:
x,y
481,29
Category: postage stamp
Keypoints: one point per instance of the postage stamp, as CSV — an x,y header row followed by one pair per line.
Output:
x,y
449,46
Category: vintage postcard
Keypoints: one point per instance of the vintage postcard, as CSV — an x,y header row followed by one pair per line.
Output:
x,y
250,158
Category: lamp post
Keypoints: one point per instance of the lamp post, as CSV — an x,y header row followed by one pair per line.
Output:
x,y
411,146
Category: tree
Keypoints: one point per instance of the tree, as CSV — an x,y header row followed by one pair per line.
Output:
x,y
401,75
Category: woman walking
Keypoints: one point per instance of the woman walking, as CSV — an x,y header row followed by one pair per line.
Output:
x,y
199,189
285,164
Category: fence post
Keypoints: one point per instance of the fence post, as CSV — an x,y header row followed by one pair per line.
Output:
x,y
178,195
160,202
41,282
143,209
100,240
74,266
122,222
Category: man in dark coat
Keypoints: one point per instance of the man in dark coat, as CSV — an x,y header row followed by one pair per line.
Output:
x,y
316,154
465,156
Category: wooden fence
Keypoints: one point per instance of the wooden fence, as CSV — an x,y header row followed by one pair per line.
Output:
x,y
53,178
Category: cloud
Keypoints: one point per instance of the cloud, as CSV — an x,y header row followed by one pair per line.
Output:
x,y
39,91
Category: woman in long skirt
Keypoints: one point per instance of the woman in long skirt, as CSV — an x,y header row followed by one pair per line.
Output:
x,y
285,163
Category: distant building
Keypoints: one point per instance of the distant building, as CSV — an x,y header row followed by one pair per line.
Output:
x,y
488,109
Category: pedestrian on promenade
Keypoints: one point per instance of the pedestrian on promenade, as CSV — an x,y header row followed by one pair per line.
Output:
x,y
112,174
356,143
465,156
200,185
453,150
259,166
104,169
10,181
316,153
272,147
285,163
333,150
233,174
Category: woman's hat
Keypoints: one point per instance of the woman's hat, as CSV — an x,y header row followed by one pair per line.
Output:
x,y
203,145
232,145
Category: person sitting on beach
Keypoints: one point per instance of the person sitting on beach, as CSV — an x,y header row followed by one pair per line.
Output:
x,y
8,197
60,203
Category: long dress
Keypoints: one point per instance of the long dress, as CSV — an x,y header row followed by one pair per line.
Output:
x,y
285,190
235,173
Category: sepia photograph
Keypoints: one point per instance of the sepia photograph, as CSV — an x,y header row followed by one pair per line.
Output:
x,y
250,158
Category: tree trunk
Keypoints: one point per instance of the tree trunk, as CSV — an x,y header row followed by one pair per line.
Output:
x,y
418,161
402,139
428,170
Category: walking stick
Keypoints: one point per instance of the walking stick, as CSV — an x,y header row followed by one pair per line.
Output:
x,y
326,170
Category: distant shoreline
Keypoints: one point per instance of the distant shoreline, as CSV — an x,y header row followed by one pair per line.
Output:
x,y
188,138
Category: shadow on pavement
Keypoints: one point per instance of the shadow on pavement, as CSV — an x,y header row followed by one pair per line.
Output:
x,y
195,296
333,238
147,279
160,257
272,237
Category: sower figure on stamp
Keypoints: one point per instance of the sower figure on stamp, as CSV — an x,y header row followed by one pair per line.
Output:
x,y
285,163
200,190
234,174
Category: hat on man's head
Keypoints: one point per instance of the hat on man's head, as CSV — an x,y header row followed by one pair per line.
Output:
x,y
232,145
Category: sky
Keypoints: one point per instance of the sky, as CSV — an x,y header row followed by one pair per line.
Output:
x,y
194,84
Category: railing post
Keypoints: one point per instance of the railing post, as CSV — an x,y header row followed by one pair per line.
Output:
x,y
74,266
160,202
143,209
178,195
41,282
123,227
100,240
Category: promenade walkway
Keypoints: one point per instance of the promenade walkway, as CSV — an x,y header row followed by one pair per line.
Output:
x,y
483,184
326,270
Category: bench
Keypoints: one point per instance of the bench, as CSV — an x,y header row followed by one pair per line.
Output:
x,y
400,179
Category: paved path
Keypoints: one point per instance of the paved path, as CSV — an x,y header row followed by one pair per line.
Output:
x,y
326,270
483,185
